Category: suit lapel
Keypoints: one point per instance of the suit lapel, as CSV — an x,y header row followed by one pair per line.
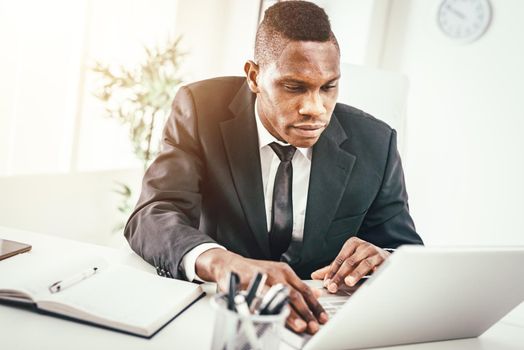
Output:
x,y
241,142
330,170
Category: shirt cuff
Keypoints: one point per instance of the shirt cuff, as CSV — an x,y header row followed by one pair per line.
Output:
x,y
189,260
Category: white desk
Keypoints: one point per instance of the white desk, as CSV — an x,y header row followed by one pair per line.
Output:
x,y
22,329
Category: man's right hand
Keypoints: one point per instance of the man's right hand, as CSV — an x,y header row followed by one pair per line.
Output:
x,y
306,312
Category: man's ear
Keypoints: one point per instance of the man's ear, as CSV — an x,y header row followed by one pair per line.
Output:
x,y
251,69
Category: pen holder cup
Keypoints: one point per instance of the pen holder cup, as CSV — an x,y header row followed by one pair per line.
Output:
x,y
233,331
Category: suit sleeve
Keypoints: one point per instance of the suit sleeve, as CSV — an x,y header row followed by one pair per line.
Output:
x,y
388,223
164,225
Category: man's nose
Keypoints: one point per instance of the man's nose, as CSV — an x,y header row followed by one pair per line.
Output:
x,y
312,105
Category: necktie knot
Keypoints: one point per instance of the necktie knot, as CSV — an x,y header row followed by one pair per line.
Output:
x,y
284,153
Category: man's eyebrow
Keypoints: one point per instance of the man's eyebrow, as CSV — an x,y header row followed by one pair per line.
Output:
x,y
292,80
333,79
299,81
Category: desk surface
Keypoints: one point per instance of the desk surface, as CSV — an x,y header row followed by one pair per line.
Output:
x,y
23,329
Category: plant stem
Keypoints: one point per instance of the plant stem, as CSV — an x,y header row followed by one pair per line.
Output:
x,y
149,137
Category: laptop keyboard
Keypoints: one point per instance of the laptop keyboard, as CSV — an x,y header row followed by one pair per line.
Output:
x,y
333,302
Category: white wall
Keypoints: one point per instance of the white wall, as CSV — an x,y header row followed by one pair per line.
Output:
x,y
464,161
117,32
218,36
49,120
60,156
39,69
359,27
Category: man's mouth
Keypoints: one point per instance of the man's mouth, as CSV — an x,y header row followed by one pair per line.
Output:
x,y
309,130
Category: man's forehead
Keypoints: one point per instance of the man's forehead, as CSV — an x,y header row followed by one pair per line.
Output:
x,y
306,60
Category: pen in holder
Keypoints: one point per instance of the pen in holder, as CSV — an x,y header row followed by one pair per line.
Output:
x,y
241,330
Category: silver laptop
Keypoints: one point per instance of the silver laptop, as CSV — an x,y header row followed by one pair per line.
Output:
x,y
422,294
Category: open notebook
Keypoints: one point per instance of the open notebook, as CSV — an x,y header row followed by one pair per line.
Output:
x,y
116,296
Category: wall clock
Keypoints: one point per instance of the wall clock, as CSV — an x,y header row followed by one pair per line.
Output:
x,y
464,20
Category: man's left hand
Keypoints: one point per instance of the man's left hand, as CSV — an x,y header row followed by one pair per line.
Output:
x,y
356,259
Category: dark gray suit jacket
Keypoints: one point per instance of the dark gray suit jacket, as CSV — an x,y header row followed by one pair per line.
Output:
x,y
206,184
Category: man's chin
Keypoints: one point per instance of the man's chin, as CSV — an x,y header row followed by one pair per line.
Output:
x,y
304,138
304,143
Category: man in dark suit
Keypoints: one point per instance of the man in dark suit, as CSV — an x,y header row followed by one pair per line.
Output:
x,y
268,173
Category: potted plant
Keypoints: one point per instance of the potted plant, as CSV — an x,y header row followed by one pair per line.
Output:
x,y
140,99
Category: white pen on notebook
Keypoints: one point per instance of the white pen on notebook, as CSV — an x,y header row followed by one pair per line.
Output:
x,y
63,284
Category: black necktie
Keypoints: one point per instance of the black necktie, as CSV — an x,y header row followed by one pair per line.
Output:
x,y
282,213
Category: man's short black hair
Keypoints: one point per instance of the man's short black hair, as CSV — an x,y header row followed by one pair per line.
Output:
x,y
290,21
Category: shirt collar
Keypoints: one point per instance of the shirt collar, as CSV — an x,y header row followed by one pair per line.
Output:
x,y
265,138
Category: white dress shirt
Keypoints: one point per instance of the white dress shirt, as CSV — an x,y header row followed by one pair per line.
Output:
x,y
269,163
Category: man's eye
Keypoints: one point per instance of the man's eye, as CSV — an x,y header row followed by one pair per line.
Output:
x,y
329,87
293,88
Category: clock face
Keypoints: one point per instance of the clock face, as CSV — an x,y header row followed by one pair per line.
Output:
x,y
464,20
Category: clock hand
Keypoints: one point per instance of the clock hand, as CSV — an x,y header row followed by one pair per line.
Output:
x,y
455,11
